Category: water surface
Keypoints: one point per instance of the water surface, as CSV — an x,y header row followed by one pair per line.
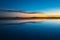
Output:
x,y
33,29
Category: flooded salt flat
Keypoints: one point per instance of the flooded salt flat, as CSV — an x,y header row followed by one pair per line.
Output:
x,y
57,21
33,28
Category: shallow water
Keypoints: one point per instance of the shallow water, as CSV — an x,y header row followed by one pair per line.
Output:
x,y
33,29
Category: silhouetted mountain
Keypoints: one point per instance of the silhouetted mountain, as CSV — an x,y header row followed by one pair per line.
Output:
x,y
16,18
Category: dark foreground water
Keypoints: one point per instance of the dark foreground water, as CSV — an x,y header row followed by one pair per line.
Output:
x,y
30,30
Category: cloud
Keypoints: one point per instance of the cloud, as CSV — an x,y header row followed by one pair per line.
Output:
x,y
12,10
16,13
20,11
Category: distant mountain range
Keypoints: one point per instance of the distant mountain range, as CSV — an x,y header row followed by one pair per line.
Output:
x,y
14,18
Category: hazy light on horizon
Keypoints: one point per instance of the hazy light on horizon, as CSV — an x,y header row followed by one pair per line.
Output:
x,y
44,13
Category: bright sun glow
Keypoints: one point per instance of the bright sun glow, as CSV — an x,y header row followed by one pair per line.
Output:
x,y
52,12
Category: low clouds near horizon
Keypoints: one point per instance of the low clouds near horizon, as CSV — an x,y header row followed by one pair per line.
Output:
x,y
20,13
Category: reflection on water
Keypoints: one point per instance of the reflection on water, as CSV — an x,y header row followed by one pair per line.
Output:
x,y
21,21
41,29
29,21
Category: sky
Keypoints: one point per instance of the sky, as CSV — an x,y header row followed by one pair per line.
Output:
x,y
30,5
44,6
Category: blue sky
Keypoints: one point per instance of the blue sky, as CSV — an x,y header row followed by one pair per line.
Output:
x,y
29,5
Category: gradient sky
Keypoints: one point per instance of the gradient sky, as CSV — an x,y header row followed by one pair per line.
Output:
x,y
29,5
